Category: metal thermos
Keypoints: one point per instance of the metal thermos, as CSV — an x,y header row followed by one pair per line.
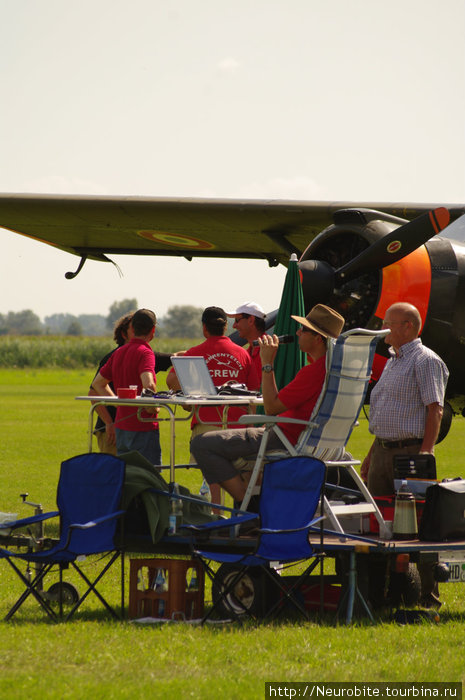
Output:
x,y
405,526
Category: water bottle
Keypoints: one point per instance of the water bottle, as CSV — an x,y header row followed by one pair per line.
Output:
x,y
193,582
160,586
204,491
175,518
405,525
142,580
159,583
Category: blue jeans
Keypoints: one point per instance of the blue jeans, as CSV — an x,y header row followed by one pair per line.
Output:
x,y
147,443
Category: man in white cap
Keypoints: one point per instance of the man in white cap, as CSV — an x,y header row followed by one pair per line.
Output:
x,y
249,322
216,452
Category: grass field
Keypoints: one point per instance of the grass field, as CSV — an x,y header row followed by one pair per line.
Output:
x,y
42,424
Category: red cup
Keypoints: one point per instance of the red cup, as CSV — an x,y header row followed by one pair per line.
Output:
x,y
125,393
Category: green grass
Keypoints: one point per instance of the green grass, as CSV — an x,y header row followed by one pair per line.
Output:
x,y
42,424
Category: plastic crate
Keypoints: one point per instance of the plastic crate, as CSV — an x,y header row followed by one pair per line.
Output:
x,y
166,588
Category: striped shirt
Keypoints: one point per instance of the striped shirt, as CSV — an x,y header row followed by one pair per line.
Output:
x,y
410,381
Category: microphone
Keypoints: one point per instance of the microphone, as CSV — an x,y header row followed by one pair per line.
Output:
x,y
283,339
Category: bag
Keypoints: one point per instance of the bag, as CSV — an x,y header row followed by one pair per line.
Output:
x,y
444,512
233,388
414,467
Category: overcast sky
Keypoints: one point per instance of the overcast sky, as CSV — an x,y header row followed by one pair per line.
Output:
x,y
296,99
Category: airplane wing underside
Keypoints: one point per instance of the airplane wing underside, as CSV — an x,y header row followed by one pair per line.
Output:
x,y
97,226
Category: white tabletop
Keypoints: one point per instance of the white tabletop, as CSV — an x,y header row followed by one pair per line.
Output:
x,y
176,400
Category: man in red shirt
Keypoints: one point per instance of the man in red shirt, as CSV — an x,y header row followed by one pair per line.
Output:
x,y
226,362
249,322
216,452
133,364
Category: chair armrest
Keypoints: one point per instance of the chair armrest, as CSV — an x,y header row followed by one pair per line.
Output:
x,y
222,523
351,536
97,521
24,522
194,499
308,526
254,418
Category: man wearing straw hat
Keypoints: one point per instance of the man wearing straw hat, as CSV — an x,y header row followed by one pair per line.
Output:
x,y
216,452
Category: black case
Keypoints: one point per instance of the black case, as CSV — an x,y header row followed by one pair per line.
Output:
x,y
415,466
444,512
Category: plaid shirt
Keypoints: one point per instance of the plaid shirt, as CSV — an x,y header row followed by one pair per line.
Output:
x,y
410,381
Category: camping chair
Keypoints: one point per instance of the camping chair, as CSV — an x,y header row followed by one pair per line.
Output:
x,y
289,497
88,499
348,368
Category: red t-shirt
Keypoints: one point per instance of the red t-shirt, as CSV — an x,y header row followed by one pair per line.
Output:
x,y
124,368
379,362
300,396
226,361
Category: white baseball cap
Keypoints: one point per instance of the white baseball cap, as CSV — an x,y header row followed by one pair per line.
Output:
x,y
250,308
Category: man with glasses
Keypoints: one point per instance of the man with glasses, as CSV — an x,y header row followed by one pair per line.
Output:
x,y
249,322
216,452
406,408
406,405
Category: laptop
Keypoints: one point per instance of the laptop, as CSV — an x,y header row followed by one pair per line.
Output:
x,y
194,377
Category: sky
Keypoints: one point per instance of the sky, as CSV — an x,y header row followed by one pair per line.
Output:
x,y
354,100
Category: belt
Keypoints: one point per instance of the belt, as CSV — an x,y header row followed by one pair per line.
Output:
x,y
393,444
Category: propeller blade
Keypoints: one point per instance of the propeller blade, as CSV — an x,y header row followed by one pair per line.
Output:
x,y
396,245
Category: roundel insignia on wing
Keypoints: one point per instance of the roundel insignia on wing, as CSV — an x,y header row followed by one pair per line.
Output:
x,y
176,240
394,247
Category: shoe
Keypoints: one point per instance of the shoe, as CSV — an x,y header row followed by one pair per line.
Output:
x,y
430,601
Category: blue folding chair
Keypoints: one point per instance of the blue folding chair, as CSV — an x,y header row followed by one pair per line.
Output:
x,y
290,493
88,500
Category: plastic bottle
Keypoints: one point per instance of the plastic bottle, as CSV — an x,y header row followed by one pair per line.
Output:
x,y
159,583
142,584
205,490
175,518
160,586
193,581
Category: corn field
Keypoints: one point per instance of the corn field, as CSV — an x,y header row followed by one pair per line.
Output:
x,y
68,352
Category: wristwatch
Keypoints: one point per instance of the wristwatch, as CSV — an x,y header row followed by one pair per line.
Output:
x,y
267,368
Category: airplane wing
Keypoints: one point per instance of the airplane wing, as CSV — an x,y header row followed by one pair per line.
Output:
x,y
95,227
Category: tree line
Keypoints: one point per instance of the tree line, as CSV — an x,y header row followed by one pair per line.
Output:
x,y
181,321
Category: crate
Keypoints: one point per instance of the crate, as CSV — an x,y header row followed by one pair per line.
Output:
x,y
166,588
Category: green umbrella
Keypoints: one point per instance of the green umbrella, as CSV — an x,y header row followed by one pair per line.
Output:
x,y
289,358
